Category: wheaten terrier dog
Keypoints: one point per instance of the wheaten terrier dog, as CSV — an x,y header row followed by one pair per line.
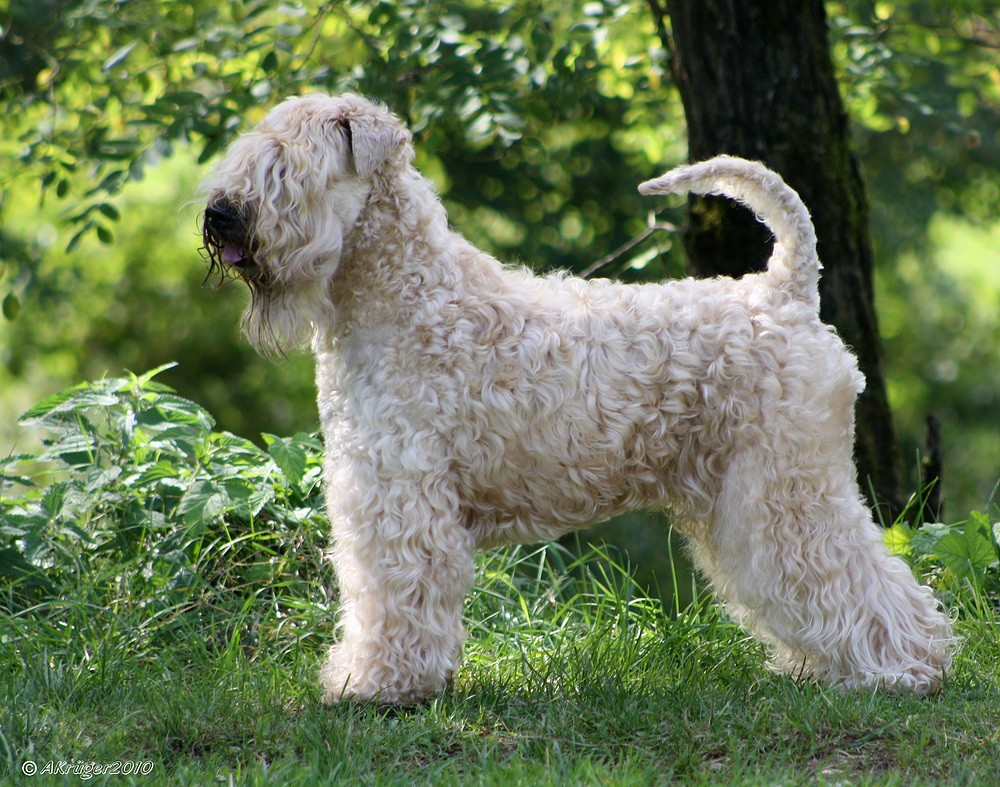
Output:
x,y
466,404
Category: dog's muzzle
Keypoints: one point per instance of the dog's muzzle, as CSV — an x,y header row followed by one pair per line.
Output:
x,y
227,238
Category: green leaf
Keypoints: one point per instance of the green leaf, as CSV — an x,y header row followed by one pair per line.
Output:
x,y
290,457
236,444
118,56
212,147
203,502
118,149
968,552
245,499
78,236
11,306
178,410
110,211
925,540
78,397
158,471
143,380
897,539
7,476
105,236
13,565
97,478
209,499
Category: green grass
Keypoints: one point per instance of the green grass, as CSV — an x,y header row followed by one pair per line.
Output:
x,y
162,602
570,677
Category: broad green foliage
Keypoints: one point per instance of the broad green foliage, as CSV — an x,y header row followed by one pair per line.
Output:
x,y
97,87
121,82
966,555
129,470
922,81
132,472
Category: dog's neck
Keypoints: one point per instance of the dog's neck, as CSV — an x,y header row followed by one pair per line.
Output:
x,y
384,277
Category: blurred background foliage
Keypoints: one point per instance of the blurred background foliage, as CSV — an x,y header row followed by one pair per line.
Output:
x,y
536,119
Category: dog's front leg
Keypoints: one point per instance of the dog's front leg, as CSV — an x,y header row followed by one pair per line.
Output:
x,y
404,562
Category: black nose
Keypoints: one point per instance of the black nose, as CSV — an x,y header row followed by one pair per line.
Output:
x,y
224,218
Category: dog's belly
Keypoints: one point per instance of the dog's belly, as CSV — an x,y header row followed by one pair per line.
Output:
x,y
526,493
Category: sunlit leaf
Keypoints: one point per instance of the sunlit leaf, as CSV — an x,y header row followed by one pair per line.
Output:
x,y
290,456
118,56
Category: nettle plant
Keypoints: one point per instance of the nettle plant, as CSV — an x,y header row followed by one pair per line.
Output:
x,y
965,556
133,475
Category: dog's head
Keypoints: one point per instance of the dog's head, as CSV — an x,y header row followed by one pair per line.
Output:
x,y
283,200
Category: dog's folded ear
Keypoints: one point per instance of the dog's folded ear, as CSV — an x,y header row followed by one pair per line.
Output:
x,y
372,142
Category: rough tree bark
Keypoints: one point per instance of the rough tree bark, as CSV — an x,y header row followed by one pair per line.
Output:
x,y
756,80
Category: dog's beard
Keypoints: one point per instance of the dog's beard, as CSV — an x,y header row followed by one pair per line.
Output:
x,y
232,254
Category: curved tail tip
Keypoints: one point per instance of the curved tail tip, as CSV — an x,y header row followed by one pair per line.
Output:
x,y
665,184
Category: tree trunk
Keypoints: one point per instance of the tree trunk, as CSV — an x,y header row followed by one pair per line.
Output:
x,y
757,81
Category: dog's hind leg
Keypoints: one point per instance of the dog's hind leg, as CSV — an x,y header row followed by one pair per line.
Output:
x,y
796,555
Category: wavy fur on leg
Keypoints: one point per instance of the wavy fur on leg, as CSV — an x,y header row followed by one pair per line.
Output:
x,y
467,404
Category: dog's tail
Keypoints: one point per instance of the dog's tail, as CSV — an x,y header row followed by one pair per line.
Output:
x,y
793,266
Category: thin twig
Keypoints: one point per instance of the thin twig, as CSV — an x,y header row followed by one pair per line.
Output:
x,y
652,227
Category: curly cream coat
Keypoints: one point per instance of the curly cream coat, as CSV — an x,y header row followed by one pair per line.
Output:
x,y
466,404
